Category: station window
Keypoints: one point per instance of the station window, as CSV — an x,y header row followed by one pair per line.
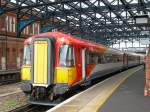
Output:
x,y
14,24
10,23
6,23
66,55
27,55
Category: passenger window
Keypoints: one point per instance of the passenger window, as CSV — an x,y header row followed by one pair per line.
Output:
x,y
93,58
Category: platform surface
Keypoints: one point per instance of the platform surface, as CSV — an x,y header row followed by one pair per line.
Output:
x,y
92,99
129,97
3,72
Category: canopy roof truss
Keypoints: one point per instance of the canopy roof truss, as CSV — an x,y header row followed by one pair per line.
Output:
x,y
108,20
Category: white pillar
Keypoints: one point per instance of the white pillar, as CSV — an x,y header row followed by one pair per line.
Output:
x,y
3,62
18,62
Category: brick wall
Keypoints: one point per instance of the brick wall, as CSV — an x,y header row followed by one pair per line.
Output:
x,y
13,50
8,26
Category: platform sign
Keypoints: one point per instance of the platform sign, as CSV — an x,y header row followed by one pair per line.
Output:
x,y
145,41
141,19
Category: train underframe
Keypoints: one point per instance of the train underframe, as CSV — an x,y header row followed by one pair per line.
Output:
x,y
49,94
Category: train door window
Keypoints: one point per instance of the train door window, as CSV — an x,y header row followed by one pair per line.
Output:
x,y
70,56
103,59
27,55
66,55
91,58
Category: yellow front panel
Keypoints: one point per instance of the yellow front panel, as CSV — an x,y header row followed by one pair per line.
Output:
x,y
72,74
40,62
25,73
65,75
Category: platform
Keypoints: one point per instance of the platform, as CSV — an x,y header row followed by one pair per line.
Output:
x,y
95,98
129,97
3,72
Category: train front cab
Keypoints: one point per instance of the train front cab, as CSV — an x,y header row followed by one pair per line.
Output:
x,y
52,68
37,68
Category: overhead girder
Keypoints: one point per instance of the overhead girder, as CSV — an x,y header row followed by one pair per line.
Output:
x,y
128,38
105,25
126,4
79,8
61,14
36,5
69,12
82,9
47,28
133,6
141,3
23,23
102,31
95,37
107,3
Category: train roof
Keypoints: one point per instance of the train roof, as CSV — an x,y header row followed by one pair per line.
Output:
x,y
69,39
135,54
113,51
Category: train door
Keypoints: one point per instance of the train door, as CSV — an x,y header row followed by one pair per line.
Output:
x,y
83,64
42,62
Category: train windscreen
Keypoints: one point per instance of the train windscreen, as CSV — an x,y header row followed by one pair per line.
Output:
x,y
27,55
66,55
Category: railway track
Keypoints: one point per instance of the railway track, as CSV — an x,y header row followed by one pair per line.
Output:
x,y
31,108
38,108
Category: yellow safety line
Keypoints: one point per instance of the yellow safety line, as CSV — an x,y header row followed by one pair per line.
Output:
x,y
115,86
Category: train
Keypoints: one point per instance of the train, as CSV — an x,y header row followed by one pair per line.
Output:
x,y
54,63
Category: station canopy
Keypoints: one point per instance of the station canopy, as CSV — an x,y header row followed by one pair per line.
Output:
x,y
104,21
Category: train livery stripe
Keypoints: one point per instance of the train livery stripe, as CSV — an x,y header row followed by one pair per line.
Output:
x,y
40,62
